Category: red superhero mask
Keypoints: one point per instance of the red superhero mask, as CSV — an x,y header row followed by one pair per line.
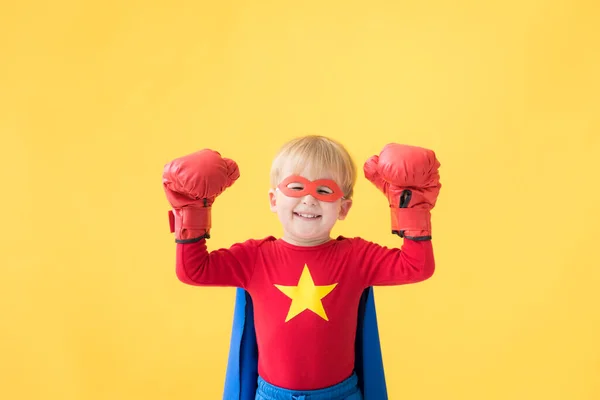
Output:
x,y
321,189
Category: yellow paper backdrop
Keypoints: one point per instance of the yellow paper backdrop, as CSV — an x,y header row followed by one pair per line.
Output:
x,y
96,96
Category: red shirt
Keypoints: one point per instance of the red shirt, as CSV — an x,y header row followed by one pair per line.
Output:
x,y
305,298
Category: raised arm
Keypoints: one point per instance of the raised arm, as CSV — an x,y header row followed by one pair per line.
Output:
x,y
382,266
233,266
192,183
409,177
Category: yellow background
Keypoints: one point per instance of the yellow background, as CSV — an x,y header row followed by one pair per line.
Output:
x,y
97,96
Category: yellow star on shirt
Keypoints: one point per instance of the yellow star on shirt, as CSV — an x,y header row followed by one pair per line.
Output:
x,y
306,296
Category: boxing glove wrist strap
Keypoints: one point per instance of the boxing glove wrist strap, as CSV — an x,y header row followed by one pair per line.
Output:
x,y
190,224
411,223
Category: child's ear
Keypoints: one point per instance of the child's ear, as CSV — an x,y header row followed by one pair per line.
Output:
x,y
273,200
344,208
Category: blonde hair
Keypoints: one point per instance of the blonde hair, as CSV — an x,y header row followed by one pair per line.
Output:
x,y
319,155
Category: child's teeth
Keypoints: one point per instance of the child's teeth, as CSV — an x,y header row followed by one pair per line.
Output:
x,y
307,215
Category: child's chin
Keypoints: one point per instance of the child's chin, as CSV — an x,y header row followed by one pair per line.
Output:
x,y
309,235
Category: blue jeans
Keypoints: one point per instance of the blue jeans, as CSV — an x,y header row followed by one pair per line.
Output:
x,y
346,390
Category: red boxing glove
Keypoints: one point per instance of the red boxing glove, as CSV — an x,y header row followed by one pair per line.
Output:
x,y
409,177
192,183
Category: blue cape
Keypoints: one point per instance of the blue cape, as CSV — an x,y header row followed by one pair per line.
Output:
x,y
242,366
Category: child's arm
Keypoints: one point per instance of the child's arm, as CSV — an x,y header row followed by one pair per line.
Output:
x,y
382,266
192,183
223,267
409,177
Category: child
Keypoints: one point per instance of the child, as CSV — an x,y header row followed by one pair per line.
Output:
x,y
307,289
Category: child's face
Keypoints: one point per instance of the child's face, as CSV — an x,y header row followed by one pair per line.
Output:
x,y
307,218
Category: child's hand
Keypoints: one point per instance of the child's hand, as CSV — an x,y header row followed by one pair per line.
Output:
x,y
191,184
409,177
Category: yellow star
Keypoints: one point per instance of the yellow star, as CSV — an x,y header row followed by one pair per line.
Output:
x,y
306,296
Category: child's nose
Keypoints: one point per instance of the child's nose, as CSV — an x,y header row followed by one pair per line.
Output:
x,y
309,199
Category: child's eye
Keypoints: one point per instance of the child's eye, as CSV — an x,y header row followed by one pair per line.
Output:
x,y
324,190
295,186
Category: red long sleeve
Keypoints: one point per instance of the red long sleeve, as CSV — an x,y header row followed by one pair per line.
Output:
x,y
383,266
222,267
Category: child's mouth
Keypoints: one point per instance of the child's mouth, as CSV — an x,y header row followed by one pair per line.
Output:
x,y
308,217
